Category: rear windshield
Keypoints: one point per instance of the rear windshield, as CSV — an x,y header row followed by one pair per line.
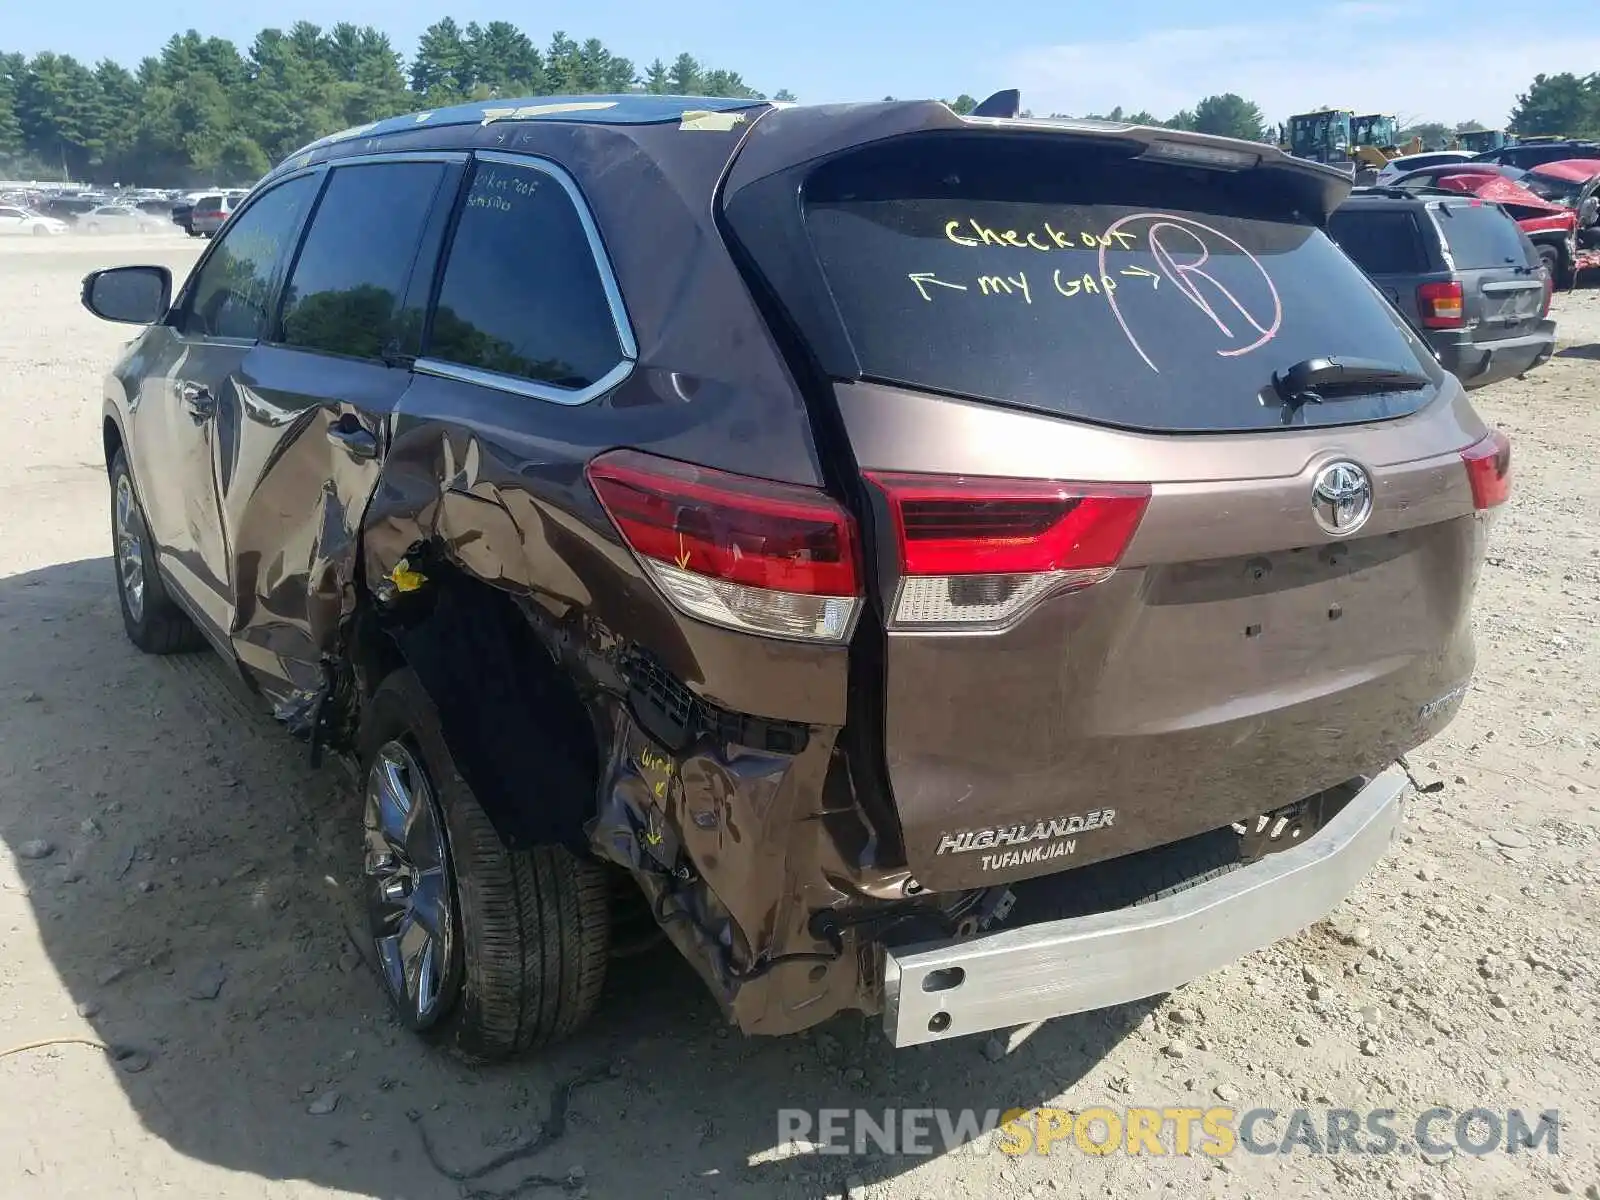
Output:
x,y
1480,235
1381,241
1133,294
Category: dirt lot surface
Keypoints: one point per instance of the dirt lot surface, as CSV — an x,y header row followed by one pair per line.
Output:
x,y
175,883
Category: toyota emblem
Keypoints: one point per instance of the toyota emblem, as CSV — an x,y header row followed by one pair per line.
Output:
x,y
1341,498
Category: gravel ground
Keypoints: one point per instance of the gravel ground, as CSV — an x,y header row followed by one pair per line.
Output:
x,y
174,884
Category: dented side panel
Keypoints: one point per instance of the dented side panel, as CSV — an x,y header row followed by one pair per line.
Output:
x,y
292,495
711,749
720,815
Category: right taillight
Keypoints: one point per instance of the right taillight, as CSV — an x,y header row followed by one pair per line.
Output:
x,y
740,552
1489,470
976,554
1440,305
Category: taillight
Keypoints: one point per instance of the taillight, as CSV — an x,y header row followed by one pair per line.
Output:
x,y
744,553
978,553
1440,304
1489,470
1549,292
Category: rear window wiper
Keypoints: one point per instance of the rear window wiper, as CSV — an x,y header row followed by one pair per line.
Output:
x,y
1314,380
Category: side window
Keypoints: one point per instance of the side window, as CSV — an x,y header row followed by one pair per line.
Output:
x,y
522,293
344,295
1381,243
232,294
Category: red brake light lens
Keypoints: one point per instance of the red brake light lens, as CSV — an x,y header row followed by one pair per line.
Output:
x,y
1489,470
746,553
978,553
961,526
1440,305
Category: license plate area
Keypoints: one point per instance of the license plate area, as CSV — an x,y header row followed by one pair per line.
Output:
x,y
1292,824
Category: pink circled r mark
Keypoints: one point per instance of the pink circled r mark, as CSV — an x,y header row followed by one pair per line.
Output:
x,y
1178,274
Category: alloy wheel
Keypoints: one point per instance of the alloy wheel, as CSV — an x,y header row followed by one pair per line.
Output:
x,y
408,884
130,547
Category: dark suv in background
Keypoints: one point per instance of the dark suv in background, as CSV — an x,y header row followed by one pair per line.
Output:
x,y
957,568
1461,271
1532,154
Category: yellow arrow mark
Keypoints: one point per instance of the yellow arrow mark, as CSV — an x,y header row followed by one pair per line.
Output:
x,y
920,280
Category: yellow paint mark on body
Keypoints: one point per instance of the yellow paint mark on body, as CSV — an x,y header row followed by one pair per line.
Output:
x,y
525,111
405,579
706,120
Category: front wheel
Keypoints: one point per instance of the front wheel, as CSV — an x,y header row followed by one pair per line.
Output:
x,y
490,951
40,231
154,623
1555,263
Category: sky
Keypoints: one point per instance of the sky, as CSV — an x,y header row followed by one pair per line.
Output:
x,y
1419,59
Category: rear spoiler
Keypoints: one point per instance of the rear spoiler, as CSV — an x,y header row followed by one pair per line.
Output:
x,y
782,139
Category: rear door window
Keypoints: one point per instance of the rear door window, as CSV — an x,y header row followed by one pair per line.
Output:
x,y
1134,294
1381,241
344,295
523,294
1480,235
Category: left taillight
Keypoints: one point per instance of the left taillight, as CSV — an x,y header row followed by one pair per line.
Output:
x,y
744,553
975,554
1488,465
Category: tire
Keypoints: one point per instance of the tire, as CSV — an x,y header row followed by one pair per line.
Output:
x,y
1551,258
40,231
516,955
154,623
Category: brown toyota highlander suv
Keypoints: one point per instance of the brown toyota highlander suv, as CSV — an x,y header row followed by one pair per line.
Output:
x,y
963,569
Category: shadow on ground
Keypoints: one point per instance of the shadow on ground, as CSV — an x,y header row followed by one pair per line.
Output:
x,y
199,894
1590,352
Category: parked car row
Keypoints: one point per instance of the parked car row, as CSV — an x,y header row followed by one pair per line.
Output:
x,y
49,209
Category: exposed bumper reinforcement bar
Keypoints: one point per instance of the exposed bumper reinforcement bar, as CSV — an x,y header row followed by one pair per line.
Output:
x,y
1054,968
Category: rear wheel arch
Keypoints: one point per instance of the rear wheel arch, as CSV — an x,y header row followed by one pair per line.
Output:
x,y
111,439
512,716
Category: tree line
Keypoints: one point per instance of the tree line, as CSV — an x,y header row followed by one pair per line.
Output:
x,y
204,112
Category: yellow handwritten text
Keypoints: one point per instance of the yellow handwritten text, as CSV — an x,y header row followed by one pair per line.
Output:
x,y
973,233
1085,283
995,285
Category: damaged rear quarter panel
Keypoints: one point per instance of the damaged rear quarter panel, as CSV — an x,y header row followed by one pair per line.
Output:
x,y
492,483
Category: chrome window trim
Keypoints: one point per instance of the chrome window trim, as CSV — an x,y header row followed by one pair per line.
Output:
x,y
517,385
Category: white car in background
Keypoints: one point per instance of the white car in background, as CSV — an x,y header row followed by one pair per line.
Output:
x,y
16,220
1397,167
120,218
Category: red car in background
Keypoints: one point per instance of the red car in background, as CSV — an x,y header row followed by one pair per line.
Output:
x,y
1575,183
1552,227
